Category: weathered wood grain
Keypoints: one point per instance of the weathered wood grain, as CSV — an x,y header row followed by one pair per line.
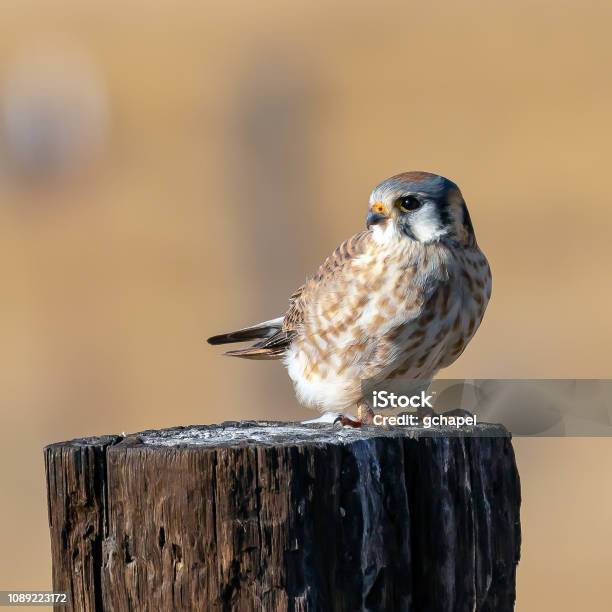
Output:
x,y
77,501
286,516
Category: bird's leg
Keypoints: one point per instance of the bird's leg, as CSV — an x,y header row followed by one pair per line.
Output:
x,y
365,416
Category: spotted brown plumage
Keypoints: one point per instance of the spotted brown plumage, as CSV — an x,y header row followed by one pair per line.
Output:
x,y
399,300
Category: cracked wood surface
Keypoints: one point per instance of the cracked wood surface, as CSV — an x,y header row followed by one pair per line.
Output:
x,y
286,516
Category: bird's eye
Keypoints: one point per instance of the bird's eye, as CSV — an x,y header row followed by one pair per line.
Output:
x,y
408,203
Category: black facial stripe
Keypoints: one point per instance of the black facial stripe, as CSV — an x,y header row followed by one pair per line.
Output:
x,y
467,222
444,213
405,227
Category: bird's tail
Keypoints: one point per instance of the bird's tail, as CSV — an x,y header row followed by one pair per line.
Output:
x,y
262,331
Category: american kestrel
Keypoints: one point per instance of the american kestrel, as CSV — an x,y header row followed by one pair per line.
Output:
x,y
399,300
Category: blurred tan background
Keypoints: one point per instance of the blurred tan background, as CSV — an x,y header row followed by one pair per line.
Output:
x,y
172,170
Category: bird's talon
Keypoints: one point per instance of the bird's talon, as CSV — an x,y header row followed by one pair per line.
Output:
x,y
346,421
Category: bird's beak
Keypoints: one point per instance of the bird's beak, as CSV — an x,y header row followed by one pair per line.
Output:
x,y
377,214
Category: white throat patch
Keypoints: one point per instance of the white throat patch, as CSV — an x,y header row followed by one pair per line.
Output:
x,y
384,233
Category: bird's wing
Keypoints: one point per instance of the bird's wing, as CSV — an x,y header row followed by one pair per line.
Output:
x,y
334,264
274,346
254,332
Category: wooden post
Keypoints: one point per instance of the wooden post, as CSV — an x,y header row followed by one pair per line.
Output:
x,y
286,516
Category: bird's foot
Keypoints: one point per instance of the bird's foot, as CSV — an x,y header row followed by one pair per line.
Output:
x,y
365,416
347,421
333,418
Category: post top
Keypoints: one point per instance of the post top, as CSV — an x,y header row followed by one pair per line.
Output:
x,y
276,433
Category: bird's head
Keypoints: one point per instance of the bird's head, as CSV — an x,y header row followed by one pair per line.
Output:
x,y
419,206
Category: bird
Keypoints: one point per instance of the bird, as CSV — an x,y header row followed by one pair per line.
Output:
x,y
397,301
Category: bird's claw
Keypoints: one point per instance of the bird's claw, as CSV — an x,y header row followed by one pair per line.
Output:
x,y
347,421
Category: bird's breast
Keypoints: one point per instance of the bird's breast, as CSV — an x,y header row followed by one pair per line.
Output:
x,y
391,313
